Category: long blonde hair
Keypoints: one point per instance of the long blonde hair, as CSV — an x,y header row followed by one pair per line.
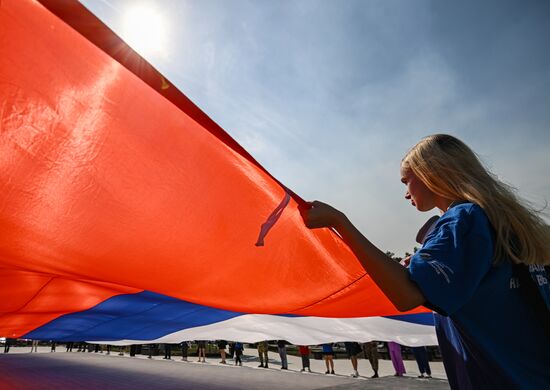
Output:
x,y
449,168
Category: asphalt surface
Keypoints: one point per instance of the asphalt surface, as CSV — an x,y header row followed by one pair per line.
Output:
x,y
61,370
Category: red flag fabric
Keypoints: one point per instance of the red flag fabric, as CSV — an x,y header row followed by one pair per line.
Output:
x,y
113,185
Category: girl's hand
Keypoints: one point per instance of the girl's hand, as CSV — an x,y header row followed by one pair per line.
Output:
x,y
321,215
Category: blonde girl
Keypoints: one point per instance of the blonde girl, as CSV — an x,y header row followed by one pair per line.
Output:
x,y
481,268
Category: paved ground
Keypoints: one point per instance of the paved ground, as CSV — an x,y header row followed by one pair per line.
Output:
x,y
60,370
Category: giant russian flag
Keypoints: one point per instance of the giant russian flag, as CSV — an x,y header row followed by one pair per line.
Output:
x,y
127,215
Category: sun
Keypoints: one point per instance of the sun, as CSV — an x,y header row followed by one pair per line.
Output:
x,y
144,29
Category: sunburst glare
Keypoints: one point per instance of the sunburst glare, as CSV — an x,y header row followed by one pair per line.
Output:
x,y
145,30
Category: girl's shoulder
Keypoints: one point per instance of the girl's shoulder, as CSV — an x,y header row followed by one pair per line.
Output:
x,y
464,218
465,212
463,207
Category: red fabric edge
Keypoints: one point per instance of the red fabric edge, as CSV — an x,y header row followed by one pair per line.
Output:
x,y
94,30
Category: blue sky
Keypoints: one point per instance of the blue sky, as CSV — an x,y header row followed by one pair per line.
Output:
x,y
329,95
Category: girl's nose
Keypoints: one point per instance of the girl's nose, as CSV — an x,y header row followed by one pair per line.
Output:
x,y
407,195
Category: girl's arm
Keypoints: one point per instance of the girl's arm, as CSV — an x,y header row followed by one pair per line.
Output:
x,y
389,275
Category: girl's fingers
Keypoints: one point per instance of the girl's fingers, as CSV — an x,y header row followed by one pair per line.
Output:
x,y
317,203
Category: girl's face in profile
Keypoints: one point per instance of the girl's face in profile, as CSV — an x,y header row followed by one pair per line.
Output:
x,y
420,196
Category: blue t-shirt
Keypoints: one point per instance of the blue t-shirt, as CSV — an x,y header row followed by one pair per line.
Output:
x,y
327,348
498,319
